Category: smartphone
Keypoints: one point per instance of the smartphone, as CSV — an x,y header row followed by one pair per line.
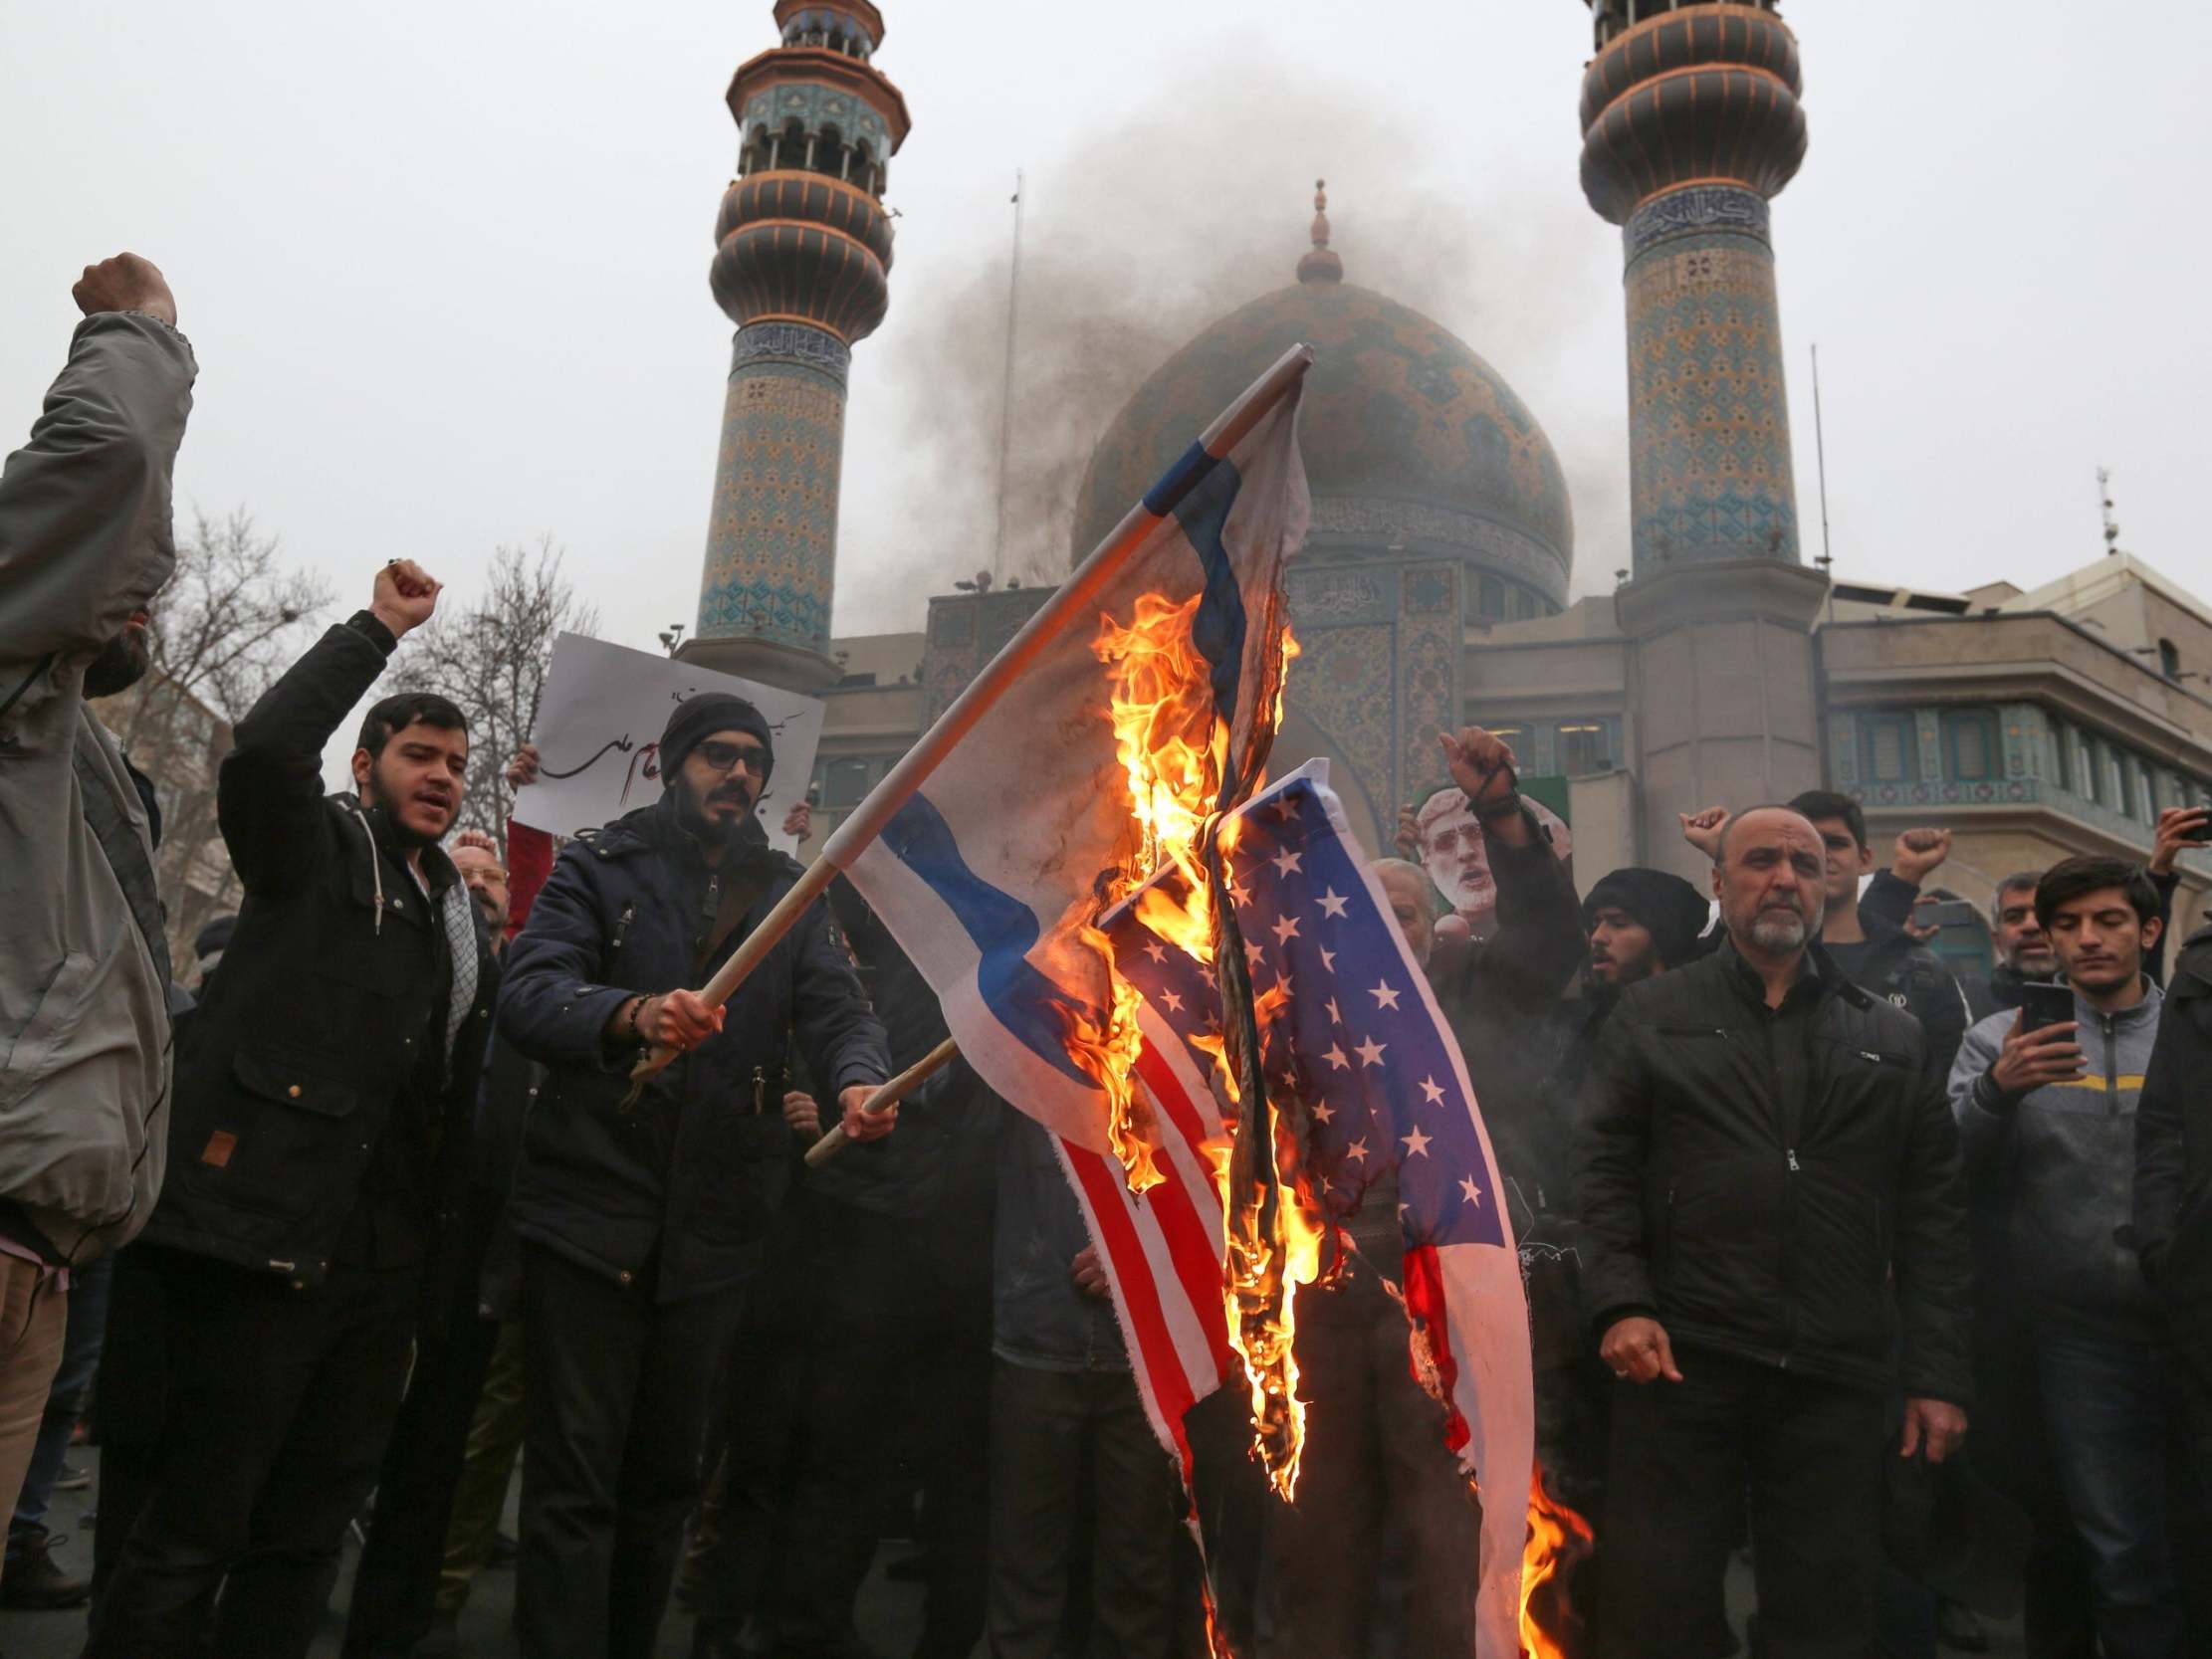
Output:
x,y
2202,833
1945,912
2042,1005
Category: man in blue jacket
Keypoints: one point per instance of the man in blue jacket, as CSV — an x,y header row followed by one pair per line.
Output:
x,y
641,1222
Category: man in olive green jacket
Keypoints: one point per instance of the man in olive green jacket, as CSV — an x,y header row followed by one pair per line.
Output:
x,y
84,544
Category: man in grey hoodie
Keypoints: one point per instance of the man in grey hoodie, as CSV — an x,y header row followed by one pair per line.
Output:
x,y
84,544
2049,1113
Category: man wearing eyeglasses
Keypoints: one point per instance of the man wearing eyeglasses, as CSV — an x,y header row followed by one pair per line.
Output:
x,y
641,1223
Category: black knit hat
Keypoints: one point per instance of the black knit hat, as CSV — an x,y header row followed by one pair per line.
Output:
x,y
1672,911
701,717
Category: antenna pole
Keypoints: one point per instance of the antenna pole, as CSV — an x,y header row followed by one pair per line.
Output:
x,y
1005,390
1820,449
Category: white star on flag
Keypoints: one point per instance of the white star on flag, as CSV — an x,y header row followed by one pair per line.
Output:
x,y
1357,1149
1371,1052
1384,996
1416,1143
1335,1017
1429,1091
1287,930
1328,961
1332,903
1172,1002
1335,1057
1323,1111
1156,950
1286,862
1467,1187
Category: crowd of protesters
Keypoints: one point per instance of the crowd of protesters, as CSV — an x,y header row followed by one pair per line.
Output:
x,y
1901,1280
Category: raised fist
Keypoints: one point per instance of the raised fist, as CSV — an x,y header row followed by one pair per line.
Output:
x,y
1481,765
126,282
1918,852
405,596
1703,830
521,771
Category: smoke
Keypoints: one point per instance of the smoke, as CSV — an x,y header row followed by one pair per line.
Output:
x,y
1141,235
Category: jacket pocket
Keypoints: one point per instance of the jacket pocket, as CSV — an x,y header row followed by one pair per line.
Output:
x,y
34,1048
293,1079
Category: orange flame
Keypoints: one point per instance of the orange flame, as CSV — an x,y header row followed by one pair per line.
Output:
x,y
1174,752
1558,1538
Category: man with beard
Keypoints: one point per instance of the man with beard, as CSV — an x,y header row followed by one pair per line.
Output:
x,y
334,1058
84,544
1764,1155
643,1222
392,1605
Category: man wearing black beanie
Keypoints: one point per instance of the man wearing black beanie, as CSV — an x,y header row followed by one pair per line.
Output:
x,y
641,1223
1641,923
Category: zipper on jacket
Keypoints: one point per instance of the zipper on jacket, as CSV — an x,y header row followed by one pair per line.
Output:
x,y
2111,1065
621,928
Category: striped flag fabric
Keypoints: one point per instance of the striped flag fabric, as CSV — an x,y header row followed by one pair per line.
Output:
x,y
1356,1033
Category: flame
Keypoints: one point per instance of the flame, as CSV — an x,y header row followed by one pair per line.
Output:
x,y
1558,1538
1175,754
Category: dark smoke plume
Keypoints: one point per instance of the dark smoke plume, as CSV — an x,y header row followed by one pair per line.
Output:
x,y
1142,235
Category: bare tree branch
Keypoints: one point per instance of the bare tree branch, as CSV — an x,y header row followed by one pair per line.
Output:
x,y
226,625
491,659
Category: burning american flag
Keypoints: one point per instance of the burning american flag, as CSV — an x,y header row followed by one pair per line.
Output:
x,y
1350,1028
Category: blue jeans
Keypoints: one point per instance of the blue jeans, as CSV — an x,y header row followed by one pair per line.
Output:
x,y
66,1399
2107,1412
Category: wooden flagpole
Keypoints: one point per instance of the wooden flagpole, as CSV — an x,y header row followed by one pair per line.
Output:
x,y
1074,597
884,1099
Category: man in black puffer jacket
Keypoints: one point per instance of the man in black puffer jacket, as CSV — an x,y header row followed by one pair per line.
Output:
x,y
1765,1154
643,1222
2173,1189
329,1068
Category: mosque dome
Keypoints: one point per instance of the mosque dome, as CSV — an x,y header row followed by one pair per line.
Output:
x,y
1411,442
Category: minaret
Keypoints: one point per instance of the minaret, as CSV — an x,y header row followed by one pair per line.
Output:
x,y
802,247
1690,123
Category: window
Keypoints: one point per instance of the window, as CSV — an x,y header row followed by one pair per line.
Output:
x,y
1971,742
845,781
1885,747
1517,604
2169,660
1584,747
1492,597
2062,747
2092,770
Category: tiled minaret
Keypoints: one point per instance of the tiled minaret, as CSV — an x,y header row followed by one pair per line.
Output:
x,y
1690,122
802,256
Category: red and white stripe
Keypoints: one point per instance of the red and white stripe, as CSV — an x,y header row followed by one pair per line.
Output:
x,y
1162,1250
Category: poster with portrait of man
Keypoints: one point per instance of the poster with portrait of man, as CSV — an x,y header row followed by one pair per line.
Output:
x,y
1454,852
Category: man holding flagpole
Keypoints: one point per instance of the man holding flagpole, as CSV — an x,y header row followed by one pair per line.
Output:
x,y
642,1213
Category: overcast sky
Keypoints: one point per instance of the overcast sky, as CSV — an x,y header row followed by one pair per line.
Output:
x,y
445,265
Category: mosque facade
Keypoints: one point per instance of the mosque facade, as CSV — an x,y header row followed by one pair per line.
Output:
x,y
1434,590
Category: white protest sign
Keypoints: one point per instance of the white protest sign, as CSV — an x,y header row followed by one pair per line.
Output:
x,y
599,736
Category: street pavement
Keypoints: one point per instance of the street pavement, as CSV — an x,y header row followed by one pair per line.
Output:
x,y
889,1613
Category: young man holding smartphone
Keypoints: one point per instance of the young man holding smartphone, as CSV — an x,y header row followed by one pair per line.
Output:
x,y
2046,1099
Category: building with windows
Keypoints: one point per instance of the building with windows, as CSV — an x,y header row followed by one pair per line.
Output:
x,y
1724,669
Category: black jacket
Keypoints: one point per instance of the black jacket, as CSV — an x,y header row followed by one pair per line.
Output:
x,y
1755,1181
1495,992
307,1049
681,1183
2173,1148
1907,973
